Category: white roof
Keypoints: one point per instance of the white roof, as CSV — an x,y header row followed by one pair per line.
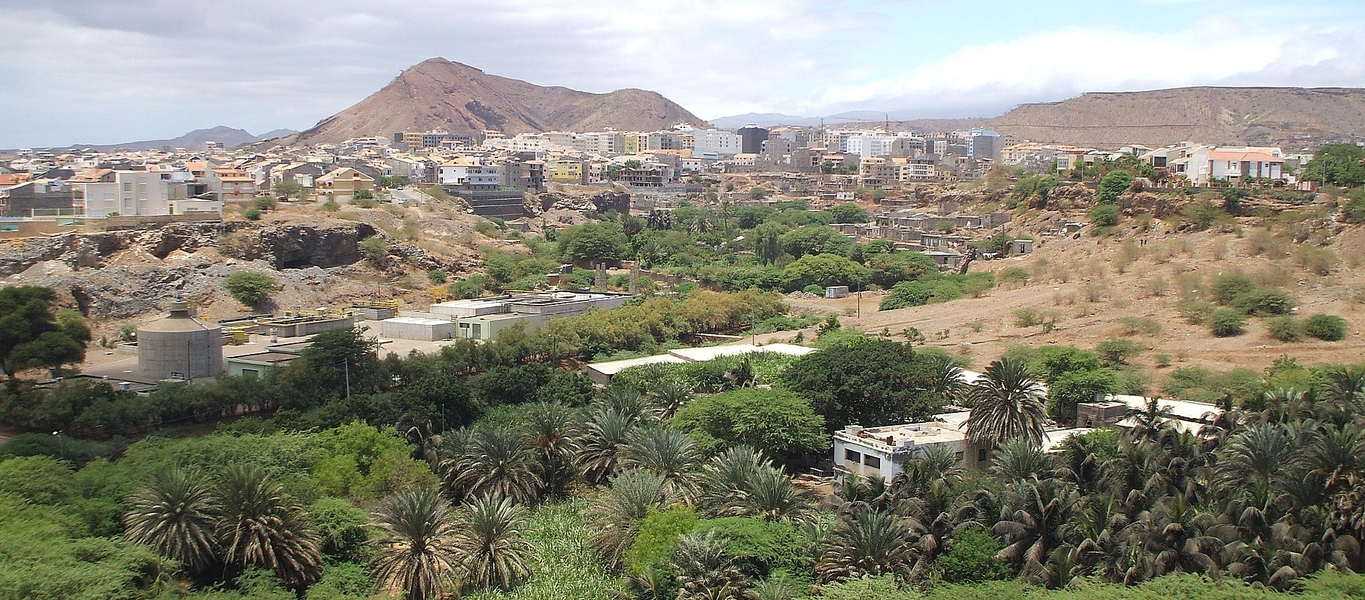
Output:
x,y
1053,439
417,321
1180,409
713,352
616,366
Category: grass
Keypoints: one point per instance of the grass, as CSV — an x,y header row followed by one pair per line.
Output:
x,y
562,566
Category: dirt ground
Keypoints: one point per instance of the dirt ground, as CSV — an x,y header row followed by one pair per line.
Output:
x,y
982,328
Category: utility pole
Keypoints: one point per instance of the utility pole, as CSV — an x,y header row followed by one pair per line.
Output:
x,y
347,364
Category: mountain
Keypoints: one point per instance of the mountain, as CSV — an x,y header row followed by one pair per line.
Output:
x,y
1289,117
227,136
462,99
900,120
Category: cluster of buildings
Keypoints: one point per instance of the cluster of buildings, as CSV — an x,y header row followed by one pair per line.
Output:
x,y
1187,162
882,451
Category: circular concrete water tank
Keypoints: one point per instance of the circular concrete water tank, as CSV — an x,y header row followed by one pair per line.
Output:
x,y
178,346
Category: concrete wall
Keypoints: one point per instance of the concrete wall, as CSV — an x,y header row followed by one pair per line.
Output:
x,y
426,331
179,354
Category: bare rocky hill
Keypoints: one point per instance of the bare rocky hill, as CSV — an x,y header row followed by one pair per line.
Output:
x,y
463,99
1289,117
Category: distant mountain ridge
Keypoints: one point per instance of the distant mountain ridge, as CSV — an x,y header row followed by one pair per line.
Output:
x,y
462,99
1289,117
229,137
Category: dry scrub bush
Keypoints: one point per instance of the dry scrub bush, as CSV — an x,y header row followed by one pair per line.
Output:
x,y
1095,290
1156,286
1318,261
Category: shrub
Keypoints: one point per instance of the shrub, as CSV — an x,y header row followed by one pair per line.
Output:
x,y
1193,311
1264,301
1228,286
1226,322
1136,325
330,206
1318,261
249,288
1117,351
760,548
1018,275
656,538
364,202
1105,215
375,250
1328,328
1284,329
252,214
971,558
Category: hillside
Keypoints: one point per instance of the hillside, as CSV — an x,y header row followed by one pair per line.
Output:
x,y
463,99
229,137
1290,117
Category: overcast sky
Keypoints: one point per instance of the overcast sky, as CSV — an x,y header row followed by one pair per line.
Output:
x,y
86,71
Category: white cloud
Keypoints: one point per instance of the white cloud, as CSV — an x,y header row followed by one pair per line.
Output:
x,y
1057,64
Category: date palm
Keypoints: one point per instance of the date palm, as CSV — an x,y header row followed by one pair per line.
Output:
x,y
771,495
490,538
1033,520
669,453
620,508
262,526
495,460
1177,534
417,554
552,428
1018,459
1006,404
1258,456
726,477
868,542
605,434
175,514
705,570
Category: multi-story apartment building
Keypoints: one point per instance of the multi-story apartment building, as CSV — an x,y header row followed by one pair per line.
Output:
x,y
107,192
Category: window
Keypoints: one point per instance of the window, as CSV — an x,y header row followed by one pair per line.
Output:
x,y
872,461
251,373
982,455
852,455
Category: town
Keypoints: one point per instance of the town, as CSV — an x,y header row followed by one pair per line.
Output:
x,y
1017,302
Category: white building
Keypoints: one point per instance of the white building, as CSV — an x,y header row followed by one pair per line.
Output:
x,y
715,141
474,176
107,192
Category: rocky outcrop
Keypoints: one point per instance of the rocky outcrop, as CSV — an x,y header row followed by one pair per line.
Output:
x,y
599,202
294,246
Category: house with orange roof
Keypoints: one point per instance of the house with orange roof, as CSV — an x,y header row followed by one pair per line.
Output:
x,y
1205,164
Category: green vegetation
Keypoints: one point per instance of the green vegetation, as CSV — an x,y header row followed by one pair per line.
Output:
x,y
31,336
1112,185
249,287
1104,215
1329,328
1225,322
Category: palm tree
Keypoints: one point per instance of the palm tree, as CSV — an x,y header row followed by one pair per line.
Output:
x,y
175,514
605,434
726,477
1150,421
1006,404
552,428
778,586
667,397
867,542
1100,534
1018,459
668,452
946,380
1033,520
620,508
1338,456
262,526
416,554
495,460
705,571
1257,456
1177,534
491,540
771,495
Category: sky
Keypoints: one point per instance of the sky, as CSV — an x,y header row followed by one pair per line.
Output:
x,y
99,72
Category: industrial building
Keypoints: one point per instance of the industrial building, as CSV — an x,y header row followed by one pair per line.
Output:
x,y
179,346
485,318
601,373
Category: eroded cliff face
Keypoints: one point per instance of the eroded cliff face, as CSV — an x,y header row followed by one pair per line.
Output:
x,y
122,274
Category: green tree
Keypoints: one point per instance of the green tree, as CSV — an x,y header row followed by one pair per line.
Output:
x,y
824,270
291,189
1338,164
31,336
1112,185
758,192
249,287
1070,389
175,514
1329,328
490,538
262,526
594,242
1104,215
868,381
1006,404
768,243
849,212
816,239
971,558
417,548
778,423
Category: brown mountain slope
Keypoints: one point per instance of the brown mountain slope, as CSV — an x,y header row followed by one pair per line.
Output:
x,y
462,99
1291,117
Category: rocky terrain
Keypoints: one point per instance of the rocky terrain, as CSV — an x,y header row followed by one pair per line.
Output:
x,y
462,99
1289,117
